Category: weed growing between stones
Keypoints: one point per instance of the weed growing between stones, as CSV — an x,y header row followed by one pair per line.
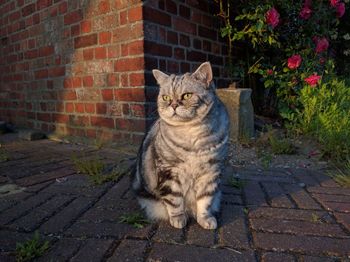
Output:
x,y
236,183
3,155
32,248
137,220
96,170
343,175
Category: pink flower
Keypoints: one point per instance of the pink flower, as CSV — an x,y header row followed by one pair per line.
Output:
x,y
322,60
269,72
340,9
305,12
294,61
272,17
313,79
334,2
321,44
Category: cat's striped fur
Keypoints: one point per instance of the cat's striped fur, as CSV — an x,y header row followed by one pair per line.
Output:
x,y
181,158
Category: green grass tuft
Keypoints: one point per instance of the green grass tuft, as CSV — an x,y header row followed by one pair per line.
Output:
x,y
343,175
281,146
95,170
236,183
31,249
137,220
3,155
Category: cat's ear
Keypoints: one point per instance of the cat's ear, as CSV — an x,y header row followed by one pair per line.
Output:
x,y
204,73
159,76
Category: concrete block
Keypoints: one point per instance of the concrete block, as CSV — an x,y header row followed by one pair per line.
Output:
x,y
240,109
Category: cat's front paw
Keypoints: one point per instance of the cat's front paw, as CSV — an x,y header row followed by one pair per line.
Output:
x,y
178,221
207,222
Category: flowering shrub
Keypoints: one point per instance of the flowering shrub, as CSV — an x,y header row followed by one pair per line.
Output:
x,y
291,43
292,46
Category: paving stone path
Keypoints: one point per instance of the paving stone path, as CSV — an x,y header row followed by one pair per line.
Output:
x,y
277,215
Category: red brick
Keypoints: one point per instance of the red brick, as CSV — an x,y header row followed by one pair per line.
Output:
x,y
101,108
102,122
100,53
60,118
301,197
103,7
72,82
43,73
104,38
276,195
107,94
130,94
28,9
156,16
46,50
329,190
89,108
84,41
67,95
40,4
137,79
135,125
344,219
73,17
135,48
112,80
69,108
290,214
138,110
62,7
184,26
135,14
79,107
158,49
91,133
31,54
46,117
75,30
302,244
316,228
113,51
88,81
277,257
14,16
85,26
57,71
195,56
123,17
88,54
129,64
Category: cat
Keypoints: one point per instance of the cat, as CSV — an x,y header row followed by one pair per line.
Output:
x,y
181,159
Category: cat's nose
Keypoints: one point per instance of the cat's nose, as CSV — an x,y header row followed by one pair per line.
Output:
x,y
174,105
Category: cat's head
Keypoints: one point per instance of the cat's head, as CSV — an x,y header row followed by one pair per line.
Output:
x,y
185,98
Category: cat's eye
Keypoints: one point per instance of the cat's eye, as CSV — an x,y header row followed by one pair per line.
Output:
x,y
186,96
166,98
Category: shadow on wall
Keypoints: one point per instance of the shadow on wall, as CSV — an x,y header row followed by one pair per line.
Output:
x,y
75,68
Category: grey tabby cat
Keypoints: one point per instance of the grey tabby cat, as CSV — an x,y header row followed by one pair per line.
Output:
x,y
181,158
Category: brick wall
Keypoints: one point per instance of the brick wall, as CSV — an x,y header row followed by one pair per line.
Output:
x,y
83,68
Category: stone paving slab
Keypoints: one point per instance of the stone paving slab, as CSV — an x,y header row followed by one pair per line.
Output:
x,y
277,215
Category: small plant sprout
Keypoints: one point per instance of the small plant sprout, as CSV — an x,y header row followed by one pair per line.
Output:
x,y
315,218
137,220
281,146
3,154
343,175
95,170
31,249
236,183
